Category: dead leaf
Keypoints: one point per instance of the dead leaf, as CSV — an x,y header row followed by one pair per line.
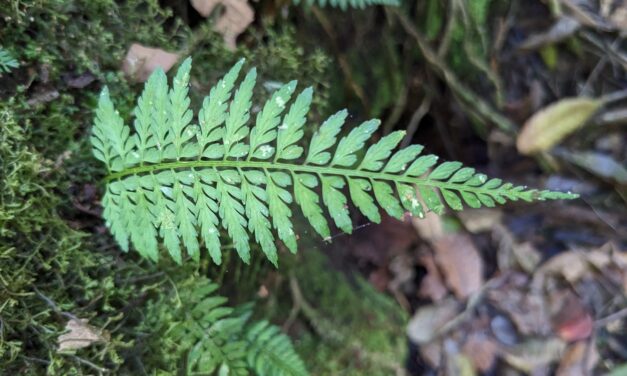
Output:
x,y
237,15
432,285
481,350
80,335
534,353
549,126
526,309
564,28
598,164
577,264
580,359
480,220
430,227
460,263
571,319
141,61
427,320
616,12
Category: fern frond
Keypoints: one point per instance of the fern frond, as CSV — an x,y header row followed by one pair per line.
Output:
x,y
176,182
270,352
209,338
209,333
345,4
7,61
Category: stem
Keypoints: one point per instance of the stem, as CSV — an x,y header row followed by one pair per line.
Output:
x,y
295,168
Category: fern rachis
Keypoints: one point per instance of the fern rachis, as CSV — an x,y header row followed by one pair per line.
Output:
x,y
180,182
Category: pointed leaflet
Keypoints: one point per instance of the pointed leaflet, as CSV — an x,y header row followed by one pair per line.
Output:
x,y
255,199
180,115
110,137
335,201
278,201
359,189
236,128
291,130
309,203
232,211
144,139
345,152
267,121
401,158
205,194
324,138
378,153
213,114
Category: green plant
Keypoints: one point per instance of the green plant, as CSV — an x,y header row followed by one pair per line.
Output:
x,y
344,4
173,179
7,61
205,336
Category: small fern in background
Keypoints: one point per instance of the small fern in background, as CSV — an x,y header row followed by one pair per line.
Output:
x,y
207,337
177,182
345,4
7,61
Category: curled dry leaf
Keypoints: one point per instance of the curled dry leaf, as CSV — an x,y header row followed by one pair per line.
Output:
x,y
460,263
551,125
237,15
141,61
80,335
426,322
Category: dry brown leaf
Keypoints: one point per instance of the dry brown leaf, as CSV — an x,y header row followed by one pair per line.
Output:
x,y
580,359
432,285
480,220
577,264
481,350
141,61
534,353
460,263
80,335
549,126
571,319
430,227
427,320
237,15
526,309
616,12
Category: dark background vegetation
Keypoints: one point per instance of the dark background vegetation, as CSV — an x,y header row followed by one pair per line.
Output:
x,y
528,288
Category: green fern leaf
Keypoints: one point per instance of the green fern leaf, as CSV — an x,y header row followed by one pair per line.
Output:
x,y
177,183
270,352
207,337
7,61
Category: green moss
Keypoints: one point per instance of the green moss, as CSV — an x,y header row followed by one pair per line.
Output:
x,y
358,329
56,260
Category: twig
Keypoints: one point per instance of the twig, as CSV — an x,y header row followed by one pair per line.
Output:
x,y
619,315
414,122
481,108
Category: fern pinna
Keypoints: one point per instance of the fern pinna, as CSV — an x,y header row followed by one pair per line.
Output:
x,y
202,333
177,181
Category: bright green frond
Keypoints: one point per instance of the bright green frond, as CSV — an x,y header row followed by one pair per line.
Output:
x,y
176,183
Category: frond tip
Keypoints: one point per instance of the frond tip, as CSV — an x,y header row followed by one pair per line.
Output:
x,y
177,180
